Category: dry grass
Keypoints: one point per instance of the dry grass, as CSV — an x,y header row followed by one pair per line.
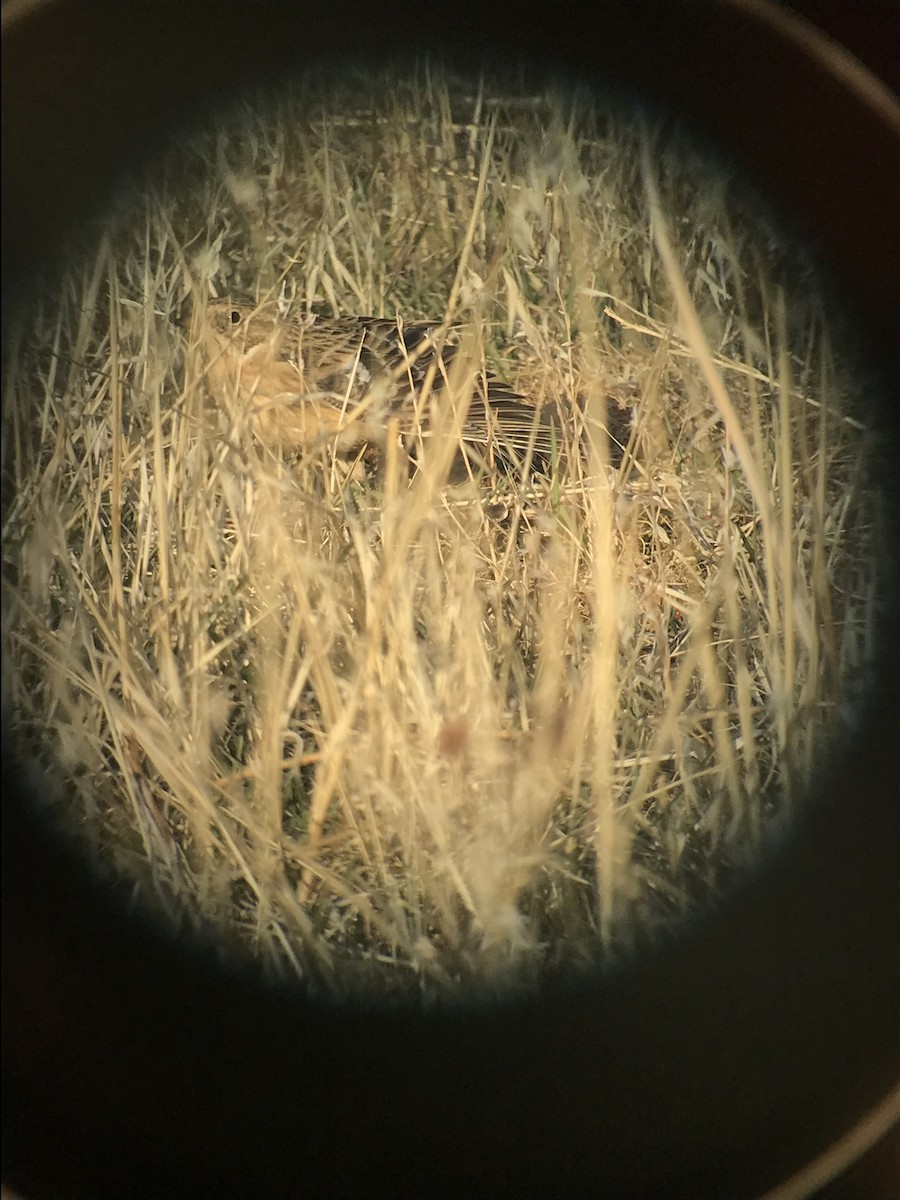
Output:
x,y
400,734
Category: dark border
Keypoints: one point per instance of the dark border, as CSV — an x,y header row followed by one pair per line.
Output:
x,y
713,1069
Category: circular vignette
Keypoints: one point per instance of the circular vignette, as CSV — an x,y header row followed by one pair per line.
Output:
x,y
768,1027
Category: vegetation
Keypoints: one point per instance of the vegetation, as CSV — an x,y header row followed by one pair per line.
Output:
x,y
401,736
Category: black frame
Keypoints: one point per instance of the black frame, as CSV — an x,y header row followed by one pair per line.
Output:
x,y
717,1067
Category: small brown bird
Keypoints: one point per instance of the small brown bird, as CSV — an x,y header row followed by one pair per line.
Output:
x,y
342,379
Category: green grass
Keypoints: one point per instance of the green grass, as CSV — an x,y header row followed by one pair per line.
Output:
x,y
402,736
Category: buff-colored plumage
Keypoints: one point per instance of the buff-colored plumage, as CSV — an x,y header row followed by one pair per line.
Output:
x,y
343,379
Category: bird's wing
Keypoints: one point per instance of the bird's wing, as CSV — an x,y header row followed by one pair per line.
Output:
x,y
515,427
353,352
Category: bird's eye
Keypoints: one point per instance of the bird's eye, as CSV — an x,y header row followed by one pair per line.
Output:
x,y
235,316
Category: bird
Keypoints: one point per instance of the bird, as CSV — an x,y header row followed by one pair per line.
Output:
x,y
348,380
